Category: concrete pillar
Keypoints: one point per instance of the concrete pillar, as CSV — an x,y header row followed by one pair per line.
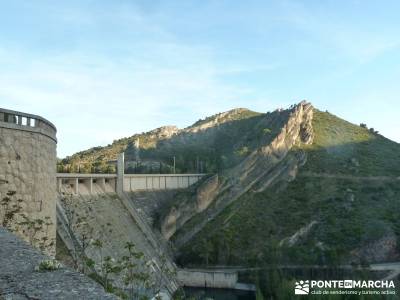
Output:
x,y
102,183
120,173
91,185
76,186
113,183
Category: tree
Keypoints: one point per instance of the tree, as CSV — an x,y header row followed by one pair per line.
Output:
x,y
372,130
132,277
206,248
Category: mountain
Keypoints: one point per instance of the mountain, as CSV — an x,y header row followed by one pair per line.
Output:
x,y
292,186
206,144
334,199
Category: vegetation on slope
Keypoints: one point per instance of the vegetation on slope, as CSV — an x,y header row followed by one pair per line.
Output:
x,y
208,146
250,230
351,212
340,147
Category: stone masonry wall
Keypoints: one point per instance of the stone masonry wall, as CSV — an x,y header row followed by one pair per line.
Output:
x,y
28,167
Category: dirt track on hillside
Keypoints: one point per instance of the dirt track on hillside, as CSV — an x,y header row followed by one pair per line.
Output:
x,y
349,177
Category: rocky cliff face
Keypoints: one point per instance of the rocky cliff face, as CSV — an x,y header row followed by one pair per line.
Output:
x,y
257,171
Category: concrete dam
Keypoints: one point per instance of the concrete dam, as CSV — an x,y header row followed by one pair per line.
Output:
x,y
106,201
78,183
28,171
113,206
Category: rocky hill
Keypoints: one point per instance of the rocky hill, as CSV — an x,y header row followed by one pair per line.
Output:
x,y
208,145
289,186
333,199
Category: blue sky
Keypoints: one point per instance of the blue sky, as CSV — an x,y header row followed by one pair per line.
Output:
x,y
101,70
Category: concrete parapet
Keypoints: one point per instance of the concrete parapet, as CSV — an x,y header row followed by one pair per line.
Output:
x,y
27,122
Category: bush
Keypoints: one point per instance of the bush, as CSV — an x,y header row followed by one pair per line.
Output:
x,y
48,265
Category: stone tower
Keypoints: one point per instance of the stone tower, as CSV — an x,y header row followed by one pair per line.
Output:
x,y
28,178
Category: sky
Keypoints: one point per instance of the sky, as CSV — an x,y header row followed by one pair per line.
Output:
x,y
102,70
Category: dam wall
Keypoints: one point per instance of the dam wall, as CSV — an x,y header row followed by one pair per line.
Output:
x,y
80,183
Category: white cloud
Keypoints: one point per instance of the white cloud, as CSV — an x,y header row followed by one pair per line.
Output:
x,y
95,100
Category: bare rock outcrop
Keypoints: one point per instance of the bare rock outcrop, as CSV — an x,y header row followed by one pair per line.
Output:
x,y
206,192
163,132
298,235
215,120
180,213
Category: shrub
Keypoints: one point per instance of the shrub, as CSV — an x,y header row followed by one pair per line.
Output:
x,y
48,265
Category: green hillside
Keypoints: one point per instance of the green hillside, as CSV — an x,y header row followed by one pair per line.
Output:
x,y
351,216
340,147
210,145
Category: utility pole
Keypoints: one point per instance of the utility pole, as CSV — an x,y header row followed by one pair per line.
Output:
x,y
174,166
